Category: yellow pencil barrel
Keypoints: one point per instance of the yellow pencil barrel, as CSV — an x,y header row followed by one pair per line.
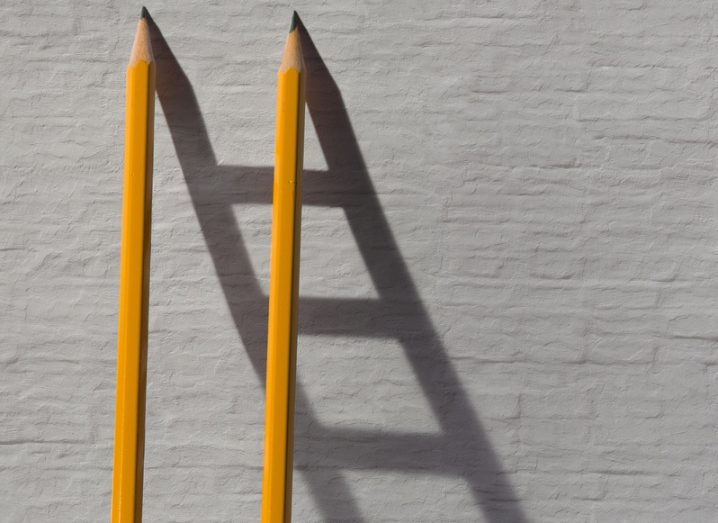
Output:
x,y
134,284
283,292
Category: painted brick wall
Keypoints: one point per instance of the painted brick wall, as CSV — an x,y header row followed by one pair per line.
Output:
x,y
509,303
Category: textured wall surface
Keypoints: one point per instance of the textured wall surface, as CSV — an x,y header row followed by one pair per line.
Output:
x,y
509,299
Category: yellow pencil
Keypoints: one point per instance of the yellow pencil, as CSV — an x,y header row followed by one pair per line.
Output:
x,y
134,282
283,287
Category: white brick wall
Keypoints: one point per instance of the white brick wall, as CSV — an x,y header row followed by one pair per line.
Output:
x,y
509,303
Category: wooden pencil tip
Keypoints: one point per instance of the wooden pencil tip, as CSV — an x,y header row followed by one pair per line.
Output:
x,y
142,47
145,13
295,22
292,55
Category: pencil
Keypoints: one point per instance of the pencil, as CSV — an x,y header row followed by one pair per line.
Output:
x,y
134,281
283,286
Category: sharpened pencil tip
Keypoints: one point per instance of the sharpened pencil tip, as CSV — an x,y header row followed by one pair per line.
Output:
x,y
145,14
295,22
142,47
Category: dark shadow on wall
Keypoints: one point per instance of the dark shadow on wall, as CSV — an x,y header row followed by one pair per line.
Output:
x,y
322,452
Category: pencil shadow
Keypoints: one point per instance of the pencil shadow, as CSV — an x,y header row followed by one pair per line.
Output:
x,y
322,452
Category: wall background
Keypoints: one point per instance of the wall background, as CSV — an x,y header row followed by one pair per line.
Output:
x,y
510,314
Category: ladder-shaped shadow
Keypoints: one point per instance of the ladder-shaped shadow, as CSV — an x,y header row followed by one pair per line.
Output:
x,y
461,449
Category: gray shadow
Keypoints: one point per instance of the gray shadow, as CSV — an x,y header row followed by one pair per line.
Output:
x,y
461,449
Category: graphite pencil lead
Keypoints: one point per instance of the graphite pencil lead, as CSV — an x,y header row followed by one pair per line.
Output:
x,y
295,22
145,14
